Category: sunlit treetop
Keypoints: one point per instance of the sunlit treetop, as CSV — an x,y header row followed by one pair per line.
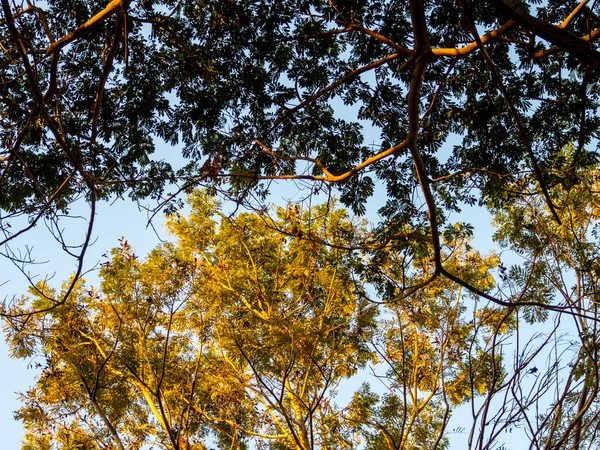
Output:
x,y
242,333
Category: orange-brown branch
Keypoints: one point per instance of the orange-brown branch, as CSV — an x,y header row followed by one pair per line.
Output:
x,y
113,7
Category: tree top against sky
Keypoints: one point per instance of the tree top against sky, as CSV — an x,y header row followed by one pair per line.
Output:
x,y
237,335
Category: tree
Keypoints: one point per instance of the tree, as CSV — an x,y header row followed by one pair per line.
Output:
x,y
438,351
561,265
443,103
240,335
252,91
236,331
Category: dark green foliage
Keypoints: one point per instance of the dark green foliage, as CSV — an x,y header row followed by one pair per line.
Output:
x,y
250,84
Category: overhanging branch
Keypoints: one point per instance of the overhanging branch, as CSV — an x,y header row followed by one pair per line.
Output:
x,y
555,34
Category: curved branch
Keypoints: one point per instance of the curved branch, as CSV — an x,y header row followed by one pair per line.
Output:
x,y
329,177
422,48
349,77
487,38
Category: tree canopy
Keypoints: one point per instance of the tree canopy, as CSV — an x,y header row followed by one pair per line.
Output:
x,y
438,103
239,333
251,330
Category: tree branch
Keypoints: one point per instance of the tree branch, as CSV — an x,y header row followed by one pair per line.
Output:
x,y
113,7
555,34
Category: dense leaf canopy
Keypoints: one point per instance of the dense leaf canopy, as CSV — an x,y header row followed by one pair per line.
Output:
x,y
249,332
240,335
454,101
